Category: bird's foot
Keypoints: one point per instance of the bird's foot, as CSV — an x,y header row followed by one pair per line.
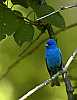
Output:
x,y
57,83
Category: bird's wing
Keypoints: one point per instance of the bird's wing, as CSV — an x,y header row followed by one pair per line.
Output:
x,y
50,72
61,65
54,82
60,53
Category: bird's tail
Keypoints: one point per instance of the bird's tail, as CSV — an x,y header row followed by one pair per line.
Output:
x,y
55,82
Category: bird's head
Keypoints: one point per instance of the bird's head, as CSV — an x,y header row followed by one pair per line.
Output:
x,y
51,43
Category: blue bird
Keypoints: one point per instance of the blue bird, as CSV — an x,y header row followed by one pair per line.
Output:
x,y
53,58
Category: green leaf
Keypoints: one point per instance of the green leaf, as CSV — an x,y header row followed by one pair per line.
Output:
x,y
2,37
24,33
36,4
27,3
9,21
55,19
21,2
12,24
41,9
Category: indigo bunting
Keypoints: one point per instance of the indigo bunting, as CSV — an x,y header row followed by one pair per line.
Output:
x,y
53,58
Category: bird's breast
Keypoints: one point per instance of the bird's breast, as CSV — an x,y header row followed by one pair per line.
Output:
x,y
53,58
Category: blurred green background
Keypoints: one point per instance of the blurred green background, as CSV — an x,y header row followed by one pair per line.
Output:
x,y
31,70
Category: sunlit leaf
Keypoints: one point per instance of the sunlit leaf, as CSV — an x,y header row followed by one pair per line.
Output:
x,y
27,3
21,2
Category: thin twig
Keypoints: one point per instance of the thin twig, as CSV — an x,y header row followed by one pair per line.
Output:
x,y
50,14
53,77
69,88
70,60
56,11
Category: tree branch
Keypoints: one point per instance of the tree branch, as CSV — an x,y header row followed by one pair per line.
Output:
x,y
53,77
50,14
56,11
69,88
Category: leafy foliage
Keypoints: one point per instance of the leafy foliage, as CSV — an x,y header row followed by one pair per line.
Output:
x,y
28,3
21,2
41,8
56,19
24,28
13,23
10,23
2,37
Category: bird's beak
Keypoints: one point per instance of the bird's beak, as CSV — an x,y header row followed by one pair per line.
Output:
x,y
46,45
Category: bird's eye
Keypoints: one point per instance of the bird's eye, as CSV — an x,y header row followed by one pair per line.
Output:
x,y
46,45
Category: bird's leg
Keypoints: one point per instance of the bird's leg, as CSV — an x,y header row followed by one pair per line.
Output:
x,y
56,80
57,83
